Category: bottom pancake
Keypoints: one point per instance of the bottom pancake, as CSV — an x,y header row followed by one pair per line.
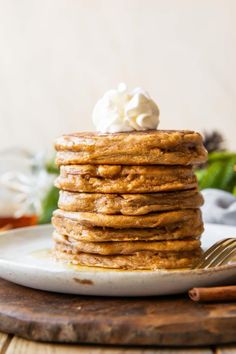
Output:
x,y
138,261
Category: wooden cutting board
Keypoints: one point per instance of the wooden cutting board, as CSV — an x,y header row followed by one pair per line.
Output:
x,y
168,320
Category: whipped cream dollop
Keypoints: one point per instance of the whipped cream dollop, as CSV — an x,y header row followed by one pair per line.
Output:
x,y
121,110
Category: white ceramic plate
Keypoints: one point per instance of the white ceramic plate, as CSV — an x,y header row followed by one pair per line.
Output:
x,y
25,259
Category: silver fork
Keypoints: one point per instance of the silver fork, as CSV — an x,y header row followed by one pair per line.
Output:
x,y
218,254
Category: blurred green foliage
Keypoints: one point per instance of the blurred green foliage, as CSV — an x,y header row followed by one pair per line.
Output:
x,y
220,172
49,204
51,167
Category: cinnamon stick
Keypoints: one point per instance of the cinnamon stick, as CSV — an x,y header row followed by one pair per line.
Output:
x,y
220,293
5,228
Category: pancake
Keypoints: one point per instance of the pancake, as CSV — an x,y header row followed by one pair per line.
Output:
x,y
138,261
127,221
111,248
165,147
129,204
168,229
125,179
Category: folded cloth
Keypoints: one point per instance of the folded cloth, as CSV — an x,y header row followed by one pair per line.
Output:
x,y
219,207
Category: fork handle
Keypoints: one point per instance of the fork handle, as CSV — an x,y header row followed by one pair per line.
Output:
x,y
216,294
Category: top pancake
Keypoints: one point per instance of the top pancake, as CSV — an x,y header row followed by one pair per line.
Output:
x,y
166,147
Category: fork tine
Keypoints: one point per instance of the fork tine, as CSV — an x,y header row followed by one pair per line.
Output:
x,y
212,251
222,254
216,245
207,261
227,257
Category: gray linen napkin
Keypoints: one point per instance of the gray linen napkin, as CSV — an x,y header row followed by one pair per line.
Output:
x,y
219,207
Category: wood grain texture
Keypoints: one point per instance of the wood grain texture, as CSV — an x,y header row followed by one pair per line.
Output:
x,y
23,346
226,349
3,342
3,338
163,321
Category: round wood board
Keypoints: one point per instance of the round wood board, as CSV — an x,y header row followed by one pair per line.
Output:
x,y
52,317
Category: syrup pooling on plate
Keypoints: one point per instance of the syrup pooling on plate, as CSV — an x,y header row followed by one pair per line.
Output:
x,y
41,253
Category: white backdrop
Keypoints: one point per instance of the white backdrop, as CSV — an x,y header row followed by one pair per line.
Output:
x,y
57,57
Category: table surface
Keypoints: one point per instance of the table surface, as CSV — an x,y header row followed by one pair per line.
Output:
x,y
15,345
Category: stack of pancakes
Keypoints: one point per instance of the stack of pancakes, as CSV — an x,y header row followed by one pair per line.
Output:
x,y
129,200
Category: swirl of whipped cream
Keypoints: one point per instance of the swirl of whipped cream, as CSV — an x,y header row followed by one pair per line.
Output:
x,y
120,111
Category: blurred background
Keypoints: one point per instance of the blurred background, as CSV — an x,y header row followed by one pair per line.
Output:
x,y
58,57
